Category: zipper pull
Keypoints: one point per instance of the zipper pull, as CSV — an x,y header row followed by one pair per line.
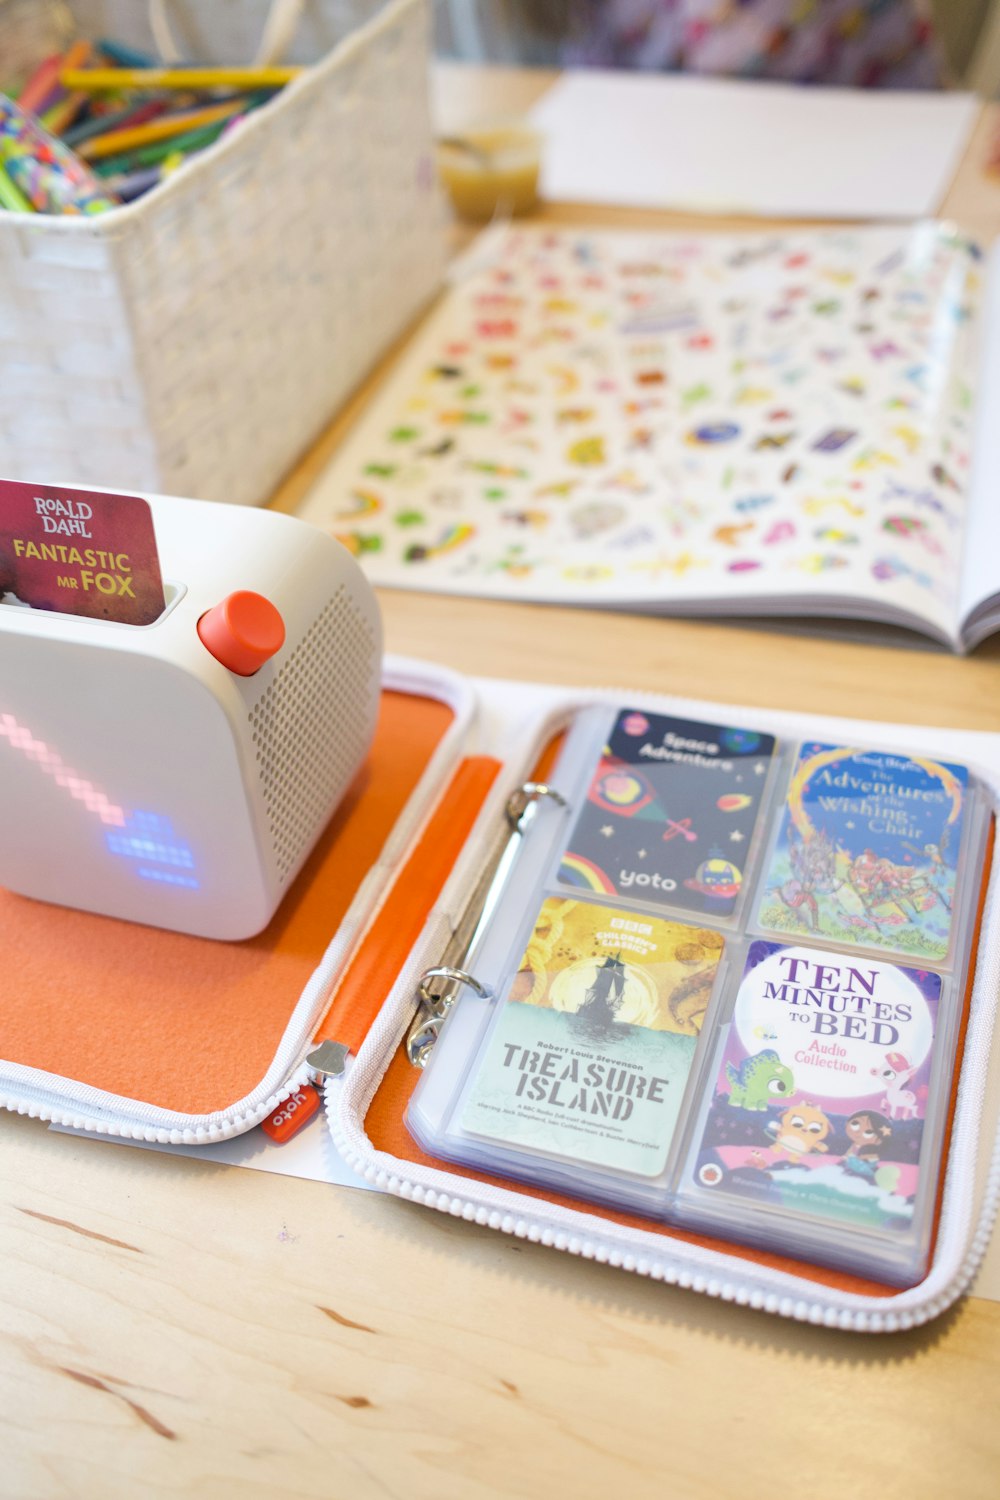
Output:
x,y
290,1116
329,1059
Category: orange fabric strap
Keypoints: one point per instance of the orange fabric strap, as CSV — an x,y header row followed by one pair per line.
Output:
x,y
398,925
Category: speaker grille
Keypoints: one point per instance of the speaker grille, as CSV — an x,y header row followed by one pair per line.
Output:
x,y
310,727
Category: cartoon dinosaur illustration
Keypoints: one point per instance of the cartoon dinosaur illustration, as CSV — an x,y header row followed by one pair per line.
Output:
x,y
759,1080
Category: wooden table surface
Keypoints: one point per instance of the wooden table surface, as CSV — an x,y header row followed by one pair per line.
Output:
x,y
174,1327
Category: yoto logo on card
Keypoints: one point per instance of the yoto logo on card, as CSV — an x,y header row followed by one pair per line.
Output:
x,y
645,880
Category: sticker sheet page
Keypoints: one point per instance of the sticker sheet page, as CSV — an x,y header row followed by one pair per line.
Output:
x,y
737,423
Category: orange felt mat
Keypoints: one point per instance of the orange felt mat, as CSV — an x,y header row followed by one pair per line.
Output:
x,y
181,1022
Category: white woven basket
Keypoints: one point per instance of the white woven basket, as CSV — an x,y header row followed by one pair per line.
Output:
x,y
195,342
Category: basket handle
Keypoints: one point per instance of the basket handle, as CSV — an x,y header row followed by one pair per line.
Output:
x,y
279,29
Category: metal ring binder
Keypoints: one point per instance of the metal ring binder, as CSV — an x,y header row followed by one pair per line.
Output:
x,y
444,971
531,791
435,1003
435,1007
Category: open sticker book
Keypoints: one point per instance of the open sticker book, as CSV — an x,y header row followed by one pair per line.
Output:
x,y
690,423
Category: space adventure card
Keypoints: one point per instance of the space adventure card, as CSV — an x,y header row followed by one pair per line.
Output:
x,y
867,851
590,1057
670,814
822,1089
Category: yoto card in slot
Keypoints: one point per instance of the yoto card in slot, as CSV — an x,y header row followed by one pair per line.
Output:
x,y
670,814
867,851
591,1054
79,552
821,1097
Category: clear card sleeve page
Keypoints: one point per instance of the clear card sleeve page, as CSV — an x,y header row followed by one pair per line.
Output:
x,y
723,989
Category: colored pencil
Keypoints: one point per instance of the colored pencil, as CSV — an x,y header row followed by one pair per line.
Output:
x,y
41,83
58,116
132,114
94,80
114,142
147,156
123,56
130,185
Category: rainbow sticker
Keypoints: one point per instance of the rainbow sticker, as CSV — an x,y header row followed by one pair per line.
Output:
x,y
451,538
363,503
581,874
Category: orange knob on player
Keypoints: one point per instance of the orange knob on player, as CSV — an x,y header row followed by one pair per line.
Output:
x,y
242,632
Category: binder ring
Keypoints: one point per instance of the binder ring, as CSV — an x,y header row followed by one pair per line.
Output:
x,y
421,1039
435,1002
457,976
531,791
424,1031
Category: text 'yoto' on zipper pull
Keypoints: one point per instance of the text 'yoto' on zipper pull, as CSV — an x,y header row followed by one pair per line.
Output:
x,y
296,1111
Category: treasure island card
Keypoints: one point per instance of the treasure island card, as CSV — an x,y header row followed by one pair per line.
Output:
x,y
591,1053
670,814
867,851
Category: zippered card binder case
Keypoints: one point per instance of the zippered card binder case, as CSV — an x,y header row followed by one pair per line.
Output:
x,y
702,992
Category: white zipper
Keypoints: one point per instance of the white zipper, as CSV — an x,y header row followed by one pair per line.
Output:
x,y
723,1277
711,1272
221,1127
961,1243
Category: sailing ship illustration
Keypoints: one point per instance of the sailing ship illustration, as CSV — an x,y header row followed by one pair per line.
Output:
x,y
603,999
